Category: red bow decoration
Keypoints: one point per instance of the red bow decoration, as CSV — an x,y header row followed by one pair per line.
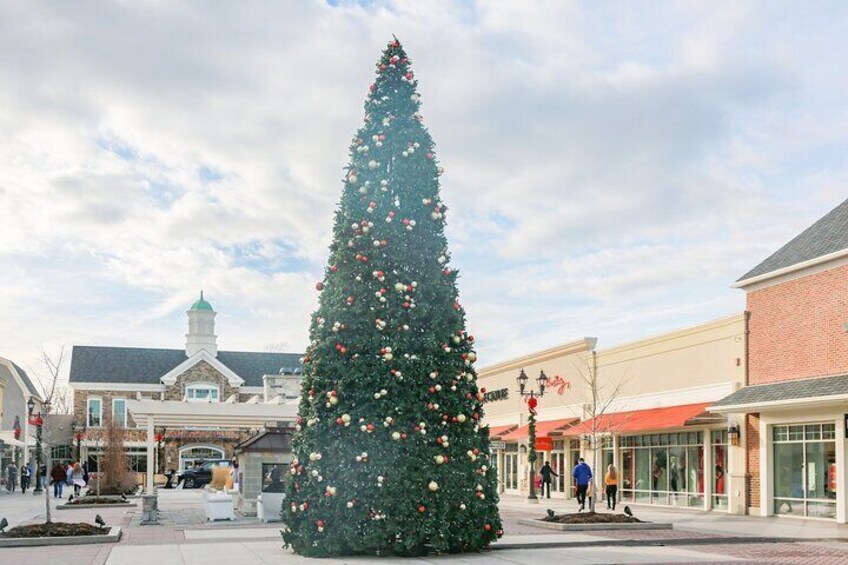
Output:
x,y
532,403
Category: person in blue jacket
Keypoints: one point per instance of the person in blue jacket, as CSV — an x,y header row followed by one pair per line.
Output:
x,y
582,476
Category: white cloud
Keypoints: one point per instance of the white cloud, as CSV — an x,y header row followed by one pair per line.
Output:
x,y
610,168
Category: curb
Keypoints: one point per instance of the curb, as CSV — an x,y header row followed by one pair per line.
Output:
x,y
82,506
113,536
646,542
602,527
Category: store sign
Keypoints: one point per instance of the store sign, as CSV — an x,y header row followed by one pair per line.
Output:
x,y
495,395
558,383
544,444
497,444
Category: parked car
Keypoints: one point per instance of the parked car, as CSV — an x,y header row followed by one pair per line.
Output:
x,y
201,475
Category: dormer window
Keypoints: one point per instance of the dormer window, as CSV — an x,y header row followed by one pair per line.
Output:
x,y
202,392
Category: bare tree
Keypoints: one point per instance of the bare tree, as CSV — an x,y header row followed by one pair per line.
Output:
x,y
113,476
51,390
599,426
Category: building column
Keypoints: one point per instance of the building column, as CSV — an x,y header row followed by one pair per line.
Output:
x,y
709,470
151,456
841,460
736,472
766,499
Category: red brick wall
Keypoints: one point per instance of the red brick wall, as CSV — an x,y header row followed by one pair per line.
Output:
x,y
752,460
797,328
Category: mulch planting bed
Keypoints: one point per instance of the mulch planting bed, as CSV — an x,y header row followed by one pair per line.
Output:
x,y
53,530
97,500
591,518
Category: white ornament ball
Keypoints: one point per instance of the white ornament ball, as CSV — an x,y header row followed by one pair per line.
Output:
x,y
433,486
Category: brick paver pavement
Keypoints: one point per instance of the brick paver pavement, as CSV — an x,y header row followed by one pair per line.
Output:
x,y
783,553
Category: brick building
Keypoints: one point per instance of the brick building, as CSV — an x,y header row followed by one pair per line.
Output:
x,y
104,378
793,409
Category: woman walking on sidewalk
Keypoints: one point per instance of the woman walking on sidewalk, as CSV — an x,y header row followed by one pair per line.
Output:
x,y
611,481
77,480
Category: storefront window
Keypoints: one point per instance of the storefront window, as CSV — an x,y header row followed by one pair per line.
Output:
x,y
510,467
805,480
664,469
719,447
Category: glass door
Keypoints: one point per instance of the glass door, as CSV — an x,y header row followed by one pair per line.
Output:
x,y
558,465
511,472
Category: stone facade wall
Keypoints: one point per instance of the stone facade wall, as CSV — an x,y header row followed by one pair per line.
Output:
x,y
250,480
175,438
81,401
797,328
202,372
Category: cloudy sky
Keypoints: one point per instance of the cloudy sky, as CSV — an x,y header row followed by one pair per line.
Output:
x,y
610,168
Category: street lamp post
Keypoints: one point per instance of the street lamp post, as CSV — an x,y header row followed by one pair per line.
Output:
x,y
38,421
532,397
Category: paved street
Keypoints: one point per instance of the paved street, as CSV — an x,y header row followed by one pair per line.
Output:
x,y
185,538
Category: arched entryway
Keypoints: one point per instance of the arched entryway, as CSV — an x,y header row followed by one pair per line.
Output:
x,y
193,453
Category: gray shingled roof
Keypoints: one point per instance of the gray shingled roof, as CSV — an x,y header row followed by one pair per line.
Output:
x,y
96,364
828,235
787,390
27,381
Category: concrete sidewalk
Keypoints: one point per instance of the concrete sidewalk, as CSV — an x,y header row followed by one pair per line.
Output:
x,y
698,521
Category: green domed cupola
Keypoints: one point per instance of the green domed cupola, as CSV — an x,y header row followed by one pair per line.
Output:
x,y
201,304
201,328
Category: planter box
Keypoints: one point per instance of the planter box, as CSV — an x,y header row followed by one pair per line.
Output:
x,y
595,527
269,505
80,506
218,506
112,535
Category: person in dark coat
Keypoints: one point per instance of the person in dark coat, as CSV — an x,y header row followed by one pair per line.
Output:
x,y
26,471
11,476
58,476
546,472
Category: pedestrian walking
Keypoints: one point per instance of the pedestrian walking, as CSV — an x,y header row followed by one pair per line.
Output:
x,y
42,475
582,475
11,477
58,476
85,472
546,472
26,471
611,482
77,478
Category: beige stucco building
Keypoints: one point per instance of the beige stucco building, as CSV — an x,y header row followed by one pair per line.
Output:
x,y
641,406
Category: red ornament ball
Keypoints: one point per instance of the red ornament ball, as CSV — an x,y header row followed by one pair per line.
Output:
x,y
319,286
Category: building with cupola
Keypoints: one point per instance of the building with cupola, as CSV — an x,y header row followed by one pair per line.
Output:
x,y
104,378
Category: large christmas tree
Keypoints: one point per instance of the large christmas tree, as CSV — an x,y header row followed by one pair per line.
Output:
x,y
389,452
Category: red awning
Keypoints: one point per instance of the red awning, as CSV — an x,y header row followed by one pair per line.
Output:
x,y
643,420
495,431
543,429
